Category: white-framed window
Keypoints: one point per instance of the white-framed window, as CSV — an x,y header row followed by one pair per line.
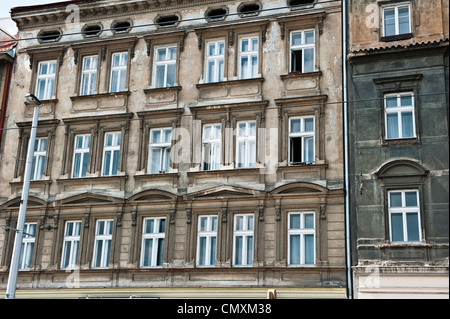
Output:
x,y
39,154
246,144
28,239
45,80
81,155
102,244
399,115
302,52
243,240
248,57
396,19
111,152
301,238
404,215
71,245
89,75
212,141
153,235
215,61
159,150
301,140
119,64
207,240
164,66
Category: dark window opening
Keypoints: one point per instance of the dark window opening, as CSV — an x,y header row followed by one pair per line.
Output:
x,y
297,3
121,26
295,150
92,30
216,14
49,36
168,21
250,9
296,61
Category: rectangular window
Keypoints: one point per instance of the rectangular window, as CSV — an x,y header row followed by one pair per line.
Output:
x,y
243,240
248,58
301,239
301,140
111,152
119,63
70,245
40,150
396,20
26,253
246,144
404,216
302,59
81,155
153,242
164,67
212,137
159,150
399,116
206,242
215,61
45,81
89,75
102,245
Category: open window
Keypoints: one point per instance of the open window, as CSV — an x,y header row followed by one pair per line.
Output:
x,y
167,21
121,26
302,47
301,140
91,30
294,4
49,36
216,14
249,9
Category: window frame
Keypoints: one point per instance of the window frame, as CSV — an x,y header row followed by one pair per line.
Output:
x,y
213,142
27,240
302,47
46,78
93,87
399,109
396,7
38,171
249,55
165,63
111,148
302,134
302,231
245,234
246,139
81,151
72,239
208,234
165,147
216,59
155,251
104,253
404,210
119,68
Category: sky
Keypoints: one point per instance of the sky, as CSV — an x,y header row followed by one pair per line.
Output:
x,y
5,21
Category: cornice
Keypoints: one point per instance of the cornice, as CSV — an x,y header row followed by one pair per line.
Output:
x,y
96,10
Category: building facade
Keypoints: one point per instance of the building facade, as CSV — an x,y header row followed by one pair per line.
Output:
x,y
398,148
184,149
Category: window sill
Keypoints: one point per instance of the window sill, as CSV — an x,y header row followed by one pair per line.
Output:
x,y
229,82
300,74
414,244
100,95
401,141
397,37
244,175
101,101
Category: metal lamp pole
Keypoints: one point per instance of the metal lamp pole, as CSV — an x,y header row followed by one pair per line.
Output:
x,y
14,268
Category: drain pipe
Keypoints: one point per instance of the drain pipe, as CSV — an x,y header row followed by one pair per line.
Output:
x,y
346,151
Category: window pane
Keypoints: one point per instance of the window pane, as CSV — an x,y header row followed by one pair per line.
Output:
x,y
309,125
309,221
309,249
391,101
210,71
309,60
172,54
309,37
412,222
160,255
212,260
296,38
156,136
161,55
160,73
202,251
294,221
254,44
250,223
147,252
397,227
149,226
213,223
167,136
238,250
220,70
212,49
155,160
411,199
406,100
244,45
239,223
295,125
294,249
77,165
392,125
85,164
308,155
395,199
407,124
107,163
254,66
403,20
99,251
244,67
203,223
389,22
170,75
162,225
249,250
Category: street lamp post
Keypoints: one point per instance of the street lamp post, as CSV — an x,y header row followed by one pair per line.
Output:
x,y
14,268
